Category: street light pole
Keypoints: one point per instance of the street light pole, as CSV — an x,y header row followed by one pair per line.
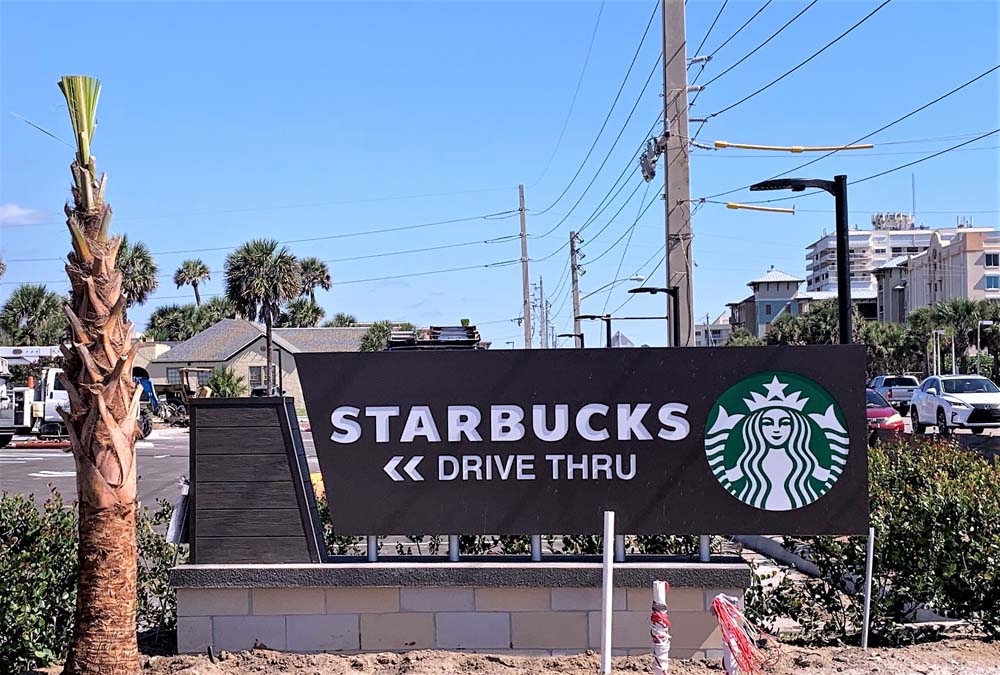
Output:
x,y
838,188
674,325
606,318
578,336
843,259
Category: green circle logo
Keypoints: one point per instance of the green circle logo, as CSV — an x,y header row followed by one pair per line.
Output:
x,y
776,441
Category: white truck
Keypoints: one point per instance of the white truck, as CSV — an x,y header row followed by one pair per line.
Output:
x,y
896,389
36,407
6,405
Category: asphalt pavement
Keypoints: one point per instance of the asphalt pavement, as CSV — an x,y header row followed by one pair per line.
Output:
x,y
162,460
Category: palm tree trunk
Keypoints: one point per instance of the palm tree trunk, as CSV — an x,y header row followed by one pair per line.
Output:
x,y
270,355
197,295
102,420
312,295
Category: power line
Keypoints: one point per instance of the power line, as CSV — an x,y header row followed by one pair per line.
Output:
x,y
610,150
873,133
643,207
711,27
887,171
621,260
761,45
853,155
576,92
740,29
607,117
795,68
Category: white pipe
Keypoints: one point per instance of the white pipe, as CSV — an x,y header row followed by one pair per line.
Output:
x,y
372,548
607,591
619,548
658,633
536,547
704,547
869,565
453,547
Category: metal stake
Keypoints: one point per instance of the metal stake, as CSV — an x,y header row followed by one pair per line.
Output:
x,y
619,548
453,548
607,591
704,547
536,547
372,548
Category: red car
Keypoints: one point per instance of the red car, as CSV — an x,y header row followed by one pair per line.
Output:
x,y
881,415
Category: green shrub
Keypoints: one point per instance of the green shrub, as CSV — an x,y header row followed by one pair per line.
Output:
x,y
225,383
38,578
936,513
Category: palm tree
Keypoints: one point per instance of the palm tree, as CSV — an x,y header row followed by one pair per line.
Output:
x,y
341,320
921,323
300,313
33,315
376,338
959,316
214,311
315,274
260,277
3,267
191,273
225,383
102,421
138,270
174,323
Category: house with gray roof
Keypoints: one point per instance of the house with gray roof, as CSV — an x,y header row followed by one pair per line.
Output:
x,y
241,345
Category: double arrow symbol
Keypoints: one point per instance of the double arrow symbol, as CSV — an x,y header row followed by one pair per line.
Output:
x,y
410,468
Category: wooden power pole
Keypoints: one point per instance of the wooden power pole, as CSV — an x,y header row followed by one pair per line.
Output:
x,y
676,172
574,270
525,290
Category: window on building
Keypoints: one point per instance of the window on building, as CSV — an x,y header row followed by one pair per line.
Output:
x,y
896,250
993,259
992,282
879,250
173,375
767,309
257,376
204,377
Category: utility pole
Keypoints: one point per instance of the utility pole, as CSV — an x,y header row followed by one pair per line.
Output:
x,y
525,290
574,268
676,172
543,319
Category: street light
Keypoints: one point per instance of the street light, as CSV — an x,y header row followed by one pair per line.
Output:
x,y
637,277
938,332
979,343
675,309
606,318
573,335
838,188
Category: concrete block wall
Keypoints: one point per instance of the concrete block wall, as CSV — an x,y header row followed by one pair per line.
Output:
x,y
525,620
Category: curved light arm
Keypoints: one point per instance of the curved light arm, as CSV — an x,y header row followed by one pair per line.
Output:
x,y
612,283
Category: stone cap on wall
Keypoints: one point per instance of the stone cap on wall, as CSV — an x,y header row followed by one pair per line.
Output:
x,y
721,572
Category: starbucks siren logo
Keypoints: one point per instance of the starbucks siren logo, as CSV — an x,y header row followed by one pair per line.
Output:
x,y
776,441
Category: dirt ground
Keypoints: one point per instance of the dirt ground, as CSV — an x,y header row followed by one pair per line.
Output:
x,y
969,657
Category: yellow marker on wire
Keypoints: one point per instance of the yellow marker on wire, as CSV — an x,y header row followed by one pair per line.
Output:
x,y
754,207
793,148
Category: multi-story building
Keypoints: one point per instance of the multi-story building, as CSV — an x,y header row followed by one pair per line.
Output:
x,y
893,235
712,333
777,293
963,265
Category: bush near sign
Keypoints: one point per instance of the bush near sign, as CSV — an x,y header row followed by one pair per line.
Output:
x,y
755,440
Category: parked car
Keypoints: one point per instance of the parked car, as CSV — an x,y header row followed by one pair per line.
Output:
x,y
896,389
880,414
955,401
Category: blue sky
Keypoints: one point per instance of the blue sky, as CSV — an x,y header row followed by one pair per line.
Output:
x,y
220,122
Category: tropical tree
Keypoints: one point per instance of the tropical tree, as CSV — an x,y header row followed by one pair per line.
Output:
x,y
315,274
741,337
300,313
376,338
225,383
138,270
341,320
192,273
33,315
102,421
3,267
892,348
260,278
214,311
173,323
959,317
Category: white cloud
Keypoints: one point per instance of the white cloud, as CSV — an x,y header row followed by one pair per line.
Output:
x,y
15,214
